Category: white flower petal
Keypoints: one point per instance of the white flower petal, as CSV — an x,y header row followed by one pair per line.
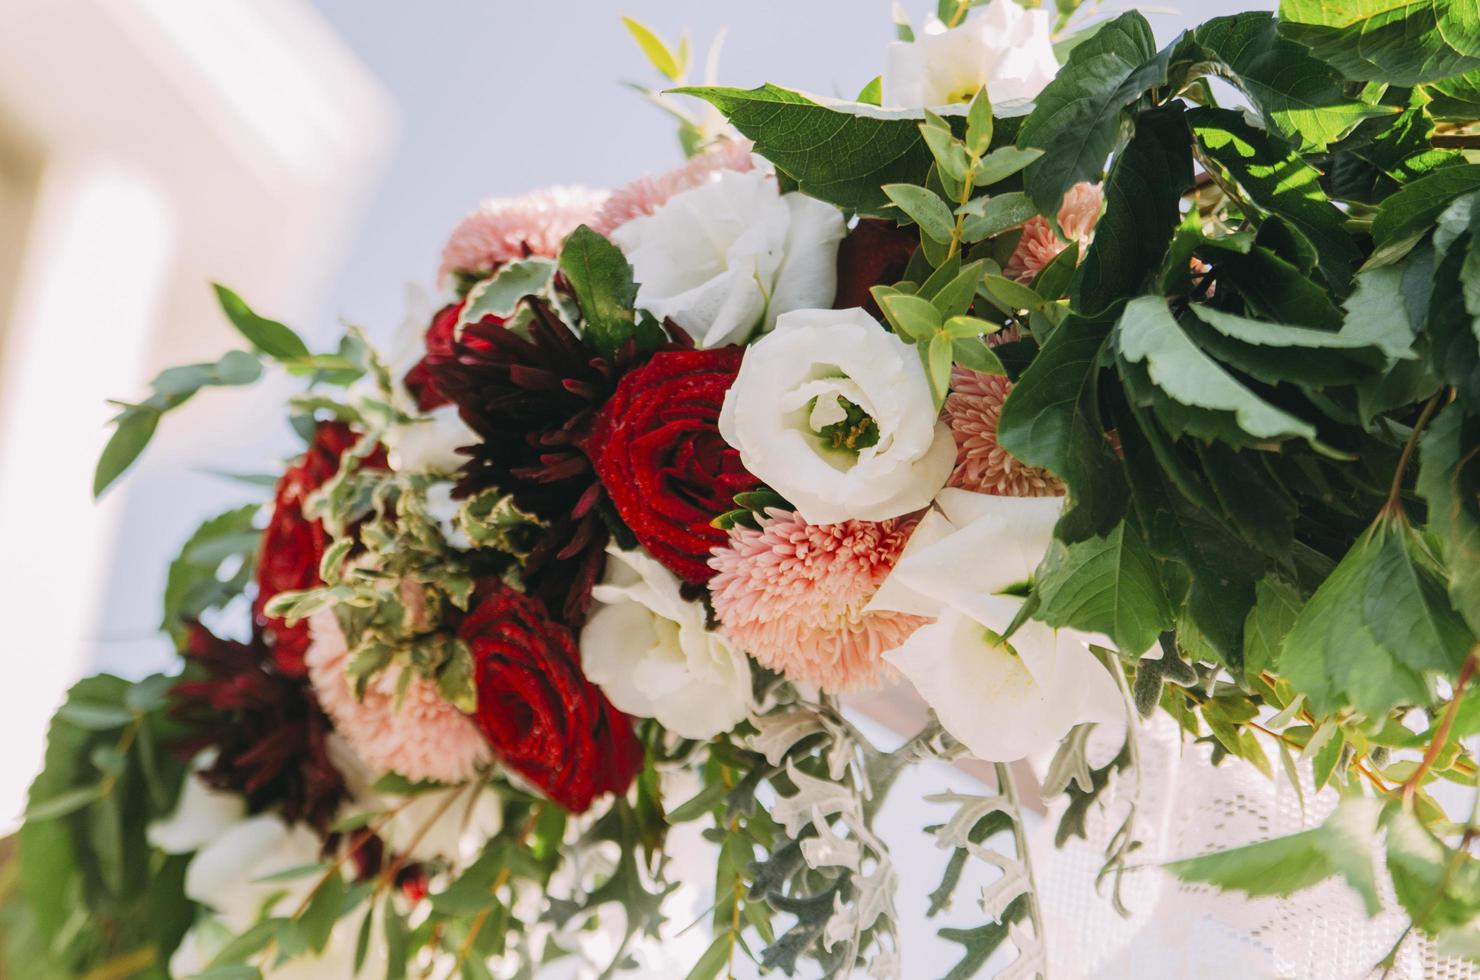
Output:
x,y
1005,48
429,444
225,874
200,815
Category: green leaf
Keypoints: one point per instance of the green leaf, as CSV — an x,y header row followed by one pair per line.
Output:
x,y
1196,395
1078,117
1453,327
1449,482
834,155
1285,865
938,361
979,123
1002,163
913,318
499,295
954,298
976,355
1300,97
270,337
135,427
1436,885
324,909
1377,627
1406,216
1280,182
95,716
1142,197
193,584
988,216
714,958
924,208
873,92
657,52
1397,42
601,277
1275,352
1051,419
64,803
950,154
1276,607
1106,585
1455,99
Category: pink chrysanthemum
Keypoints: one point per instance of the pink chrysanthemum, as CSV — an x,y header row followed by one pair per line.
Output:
x,y
792,594
645,195
427,738
1039,245
982,465
507,228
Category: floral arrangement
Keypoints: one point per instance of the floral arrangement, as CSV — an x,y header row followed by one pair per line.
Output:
x,y
1045,380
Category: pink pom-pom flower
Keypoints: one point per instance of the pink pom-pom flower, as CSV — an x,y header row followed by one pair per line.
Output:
x,y
508,228
793,595
972,410
1039,246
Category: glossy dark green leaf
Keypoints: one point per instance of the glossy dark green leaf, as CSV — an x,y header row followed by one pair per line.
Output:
x,y
1106,585
1398,42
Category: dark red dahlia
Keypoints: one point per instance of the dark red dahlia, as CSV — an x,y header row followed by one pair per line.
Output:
x,y
293,545
544,719
658,451
440,337
269,735
875,252
532,397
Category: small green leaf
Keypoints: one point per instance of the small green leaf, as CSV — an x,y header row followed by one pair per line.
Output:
x,y
601,278
135,427
949,153
324,909
499,295
988,216
873,92
939,357
911,317
977,356
925,208
1014,295
979,123
954,298
1002,163
64,803
270,337
95,716
657,52
714,958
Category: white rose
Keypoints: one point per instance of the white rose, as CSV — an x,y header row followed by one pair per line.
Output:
x,y
226,873
1004,48
828,377
429,444
649,650
724,259
1002,699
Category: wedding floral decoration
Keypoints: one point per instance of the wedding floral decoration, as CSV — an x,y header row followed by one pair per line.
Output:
x,y
1045,384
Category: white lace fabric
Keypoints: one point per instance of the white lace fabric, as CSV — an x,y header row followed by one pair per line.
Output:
x,y
1181,930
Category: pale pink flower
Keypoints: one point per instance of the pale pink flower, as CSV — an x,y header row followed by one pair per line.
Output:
x,y
982,465
647,194
427,738
503,229
793,595
1039,245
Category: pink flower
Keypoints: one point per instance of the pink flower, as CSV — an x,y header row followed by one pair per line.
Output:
x,y
427,738
982,465
793,594
646,194
1039,245
507,228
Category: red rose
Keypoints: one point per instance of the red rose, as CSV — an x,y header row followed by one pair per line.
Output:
x,y
441,337
874,252
657,449
292,545
538,711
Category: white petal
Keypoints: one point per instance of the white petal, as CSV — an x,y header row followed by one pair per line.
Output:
x,y
430,444
200,815
225,873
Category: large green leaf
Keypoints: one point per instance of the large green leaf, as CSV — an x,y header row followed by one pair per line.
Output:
x,y
1437,886
1276,352
1449,481
1300,97
1052,419
1186,388
1406,216
1400,42
1377,628
836,155
1453,334
1080,115
1456,99
1280,182
1106,585
1142,198
1342,845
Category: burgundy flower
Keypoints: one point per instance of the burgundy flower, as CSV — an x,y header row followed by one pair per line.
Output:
x,y
875,252
544,719
658,452
293,545
269,736
532,397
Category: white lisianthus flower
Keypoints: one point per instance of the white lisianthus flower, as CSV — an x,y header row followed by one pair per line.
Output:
x,y
201,813
1004,48
967,564
836,414
649,650
726,258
